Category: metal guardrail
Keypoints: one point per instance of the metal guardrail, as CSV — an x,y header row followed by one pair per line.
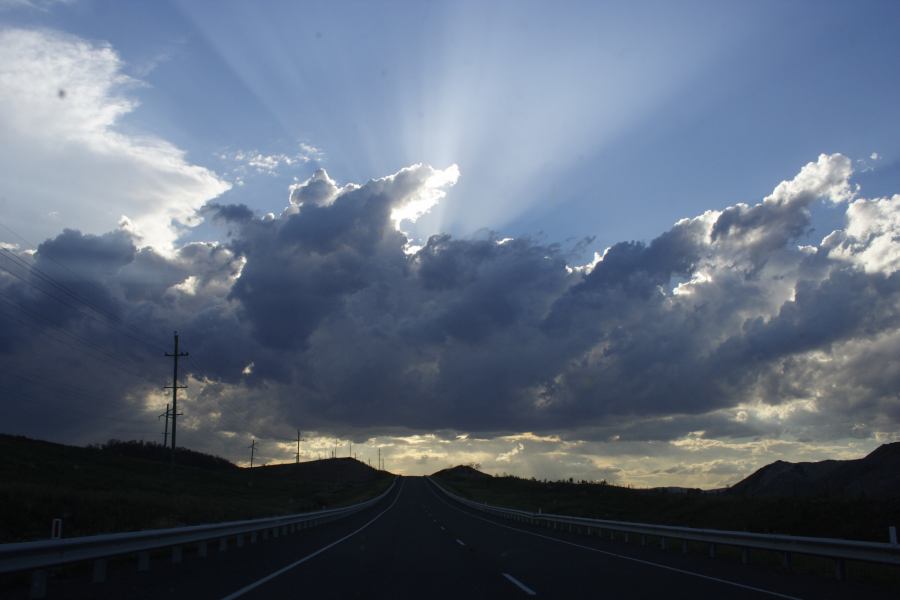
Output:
x,y
837,549
39,555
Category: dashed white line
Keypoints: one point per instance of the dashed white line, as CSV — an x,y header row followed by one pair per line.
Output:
x,y
520,585
460,542
622,556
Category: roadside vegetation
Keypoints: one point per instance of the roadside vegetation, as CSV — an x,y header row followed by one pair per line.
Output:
x,y
857,518
127,486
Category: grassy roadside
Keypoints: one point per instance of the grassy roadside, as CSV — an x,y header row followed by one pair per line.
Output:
x,y
848,519
857,519
98,491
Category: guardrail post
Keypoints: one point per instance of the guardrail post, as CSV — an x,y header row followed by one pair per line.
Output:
x,y
99,574
176,554
56,529
38,584
201,549
143,561
223,544
745,556
840,569
239,542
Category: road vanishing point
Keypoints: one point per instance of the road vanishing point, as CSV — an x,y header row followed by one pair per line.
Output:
x,y
418,543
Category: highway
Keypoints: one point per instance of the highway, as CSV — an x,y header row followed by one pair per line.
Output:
x,y
416,543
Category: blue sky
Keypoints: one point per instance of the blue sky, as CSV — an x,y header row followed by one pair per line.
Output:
x,y
568,122
751,148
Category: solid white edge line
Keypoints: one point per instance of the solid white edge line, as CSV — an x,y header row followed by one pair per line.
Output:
x,y
520,585
622,556
271,576
460,542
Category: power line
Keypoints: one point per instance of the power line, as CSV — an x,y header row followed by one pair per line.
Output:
x,y
75,338
110,318
55,283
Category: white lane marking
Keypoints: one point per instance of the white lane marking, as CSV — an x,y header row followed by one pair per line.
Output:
x,y
460,542
520,585
622,556
271,576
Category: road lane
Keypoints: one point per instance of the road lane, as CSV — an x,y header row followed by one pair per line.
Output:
x,y
562,565
417,543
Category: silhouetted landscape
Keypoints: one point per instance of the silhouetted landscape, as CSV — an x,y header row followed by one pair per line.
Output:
x,y
127,486
608,292
853,499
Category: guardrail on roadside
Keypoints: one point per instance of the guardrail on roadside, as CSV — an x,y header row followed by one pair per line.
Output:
x,y
837,549
40,555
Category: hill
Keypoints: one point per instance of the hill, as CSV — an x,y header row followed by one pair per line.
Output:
x,y
841,516
336,470
874,476
126,486
462,472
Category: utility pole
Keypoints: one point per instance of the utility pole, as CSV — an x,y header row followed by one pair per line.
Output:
x,y
175,387
167,415
298,446
166,430
252,447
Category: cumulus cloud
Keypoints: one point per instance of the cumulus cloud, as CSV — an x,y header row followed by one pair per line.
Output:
x,y
65,158
719,338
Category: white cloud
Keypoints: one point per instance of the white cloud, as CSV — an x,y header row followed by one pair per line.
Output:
x,y
270,164
41,5
62,100
870,237
427,195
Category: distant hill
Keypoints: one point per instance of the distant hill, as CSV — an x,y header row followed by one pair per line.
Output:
x,y
874,476
337,470
131,485
462,472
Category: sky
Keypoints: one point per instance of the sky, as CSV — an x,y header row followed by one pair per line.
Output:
x,y
648,242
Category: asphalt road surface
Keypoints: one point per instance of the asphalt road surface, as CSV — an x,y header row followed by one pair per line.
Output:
x,y
417,543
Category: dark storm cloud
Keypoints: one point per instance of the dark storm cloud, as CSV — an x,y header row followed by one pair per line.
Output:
x,y
324,317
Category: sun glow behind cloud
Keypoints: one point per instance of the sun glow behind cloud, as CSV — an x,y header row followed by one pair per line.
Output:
x,y
513,112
